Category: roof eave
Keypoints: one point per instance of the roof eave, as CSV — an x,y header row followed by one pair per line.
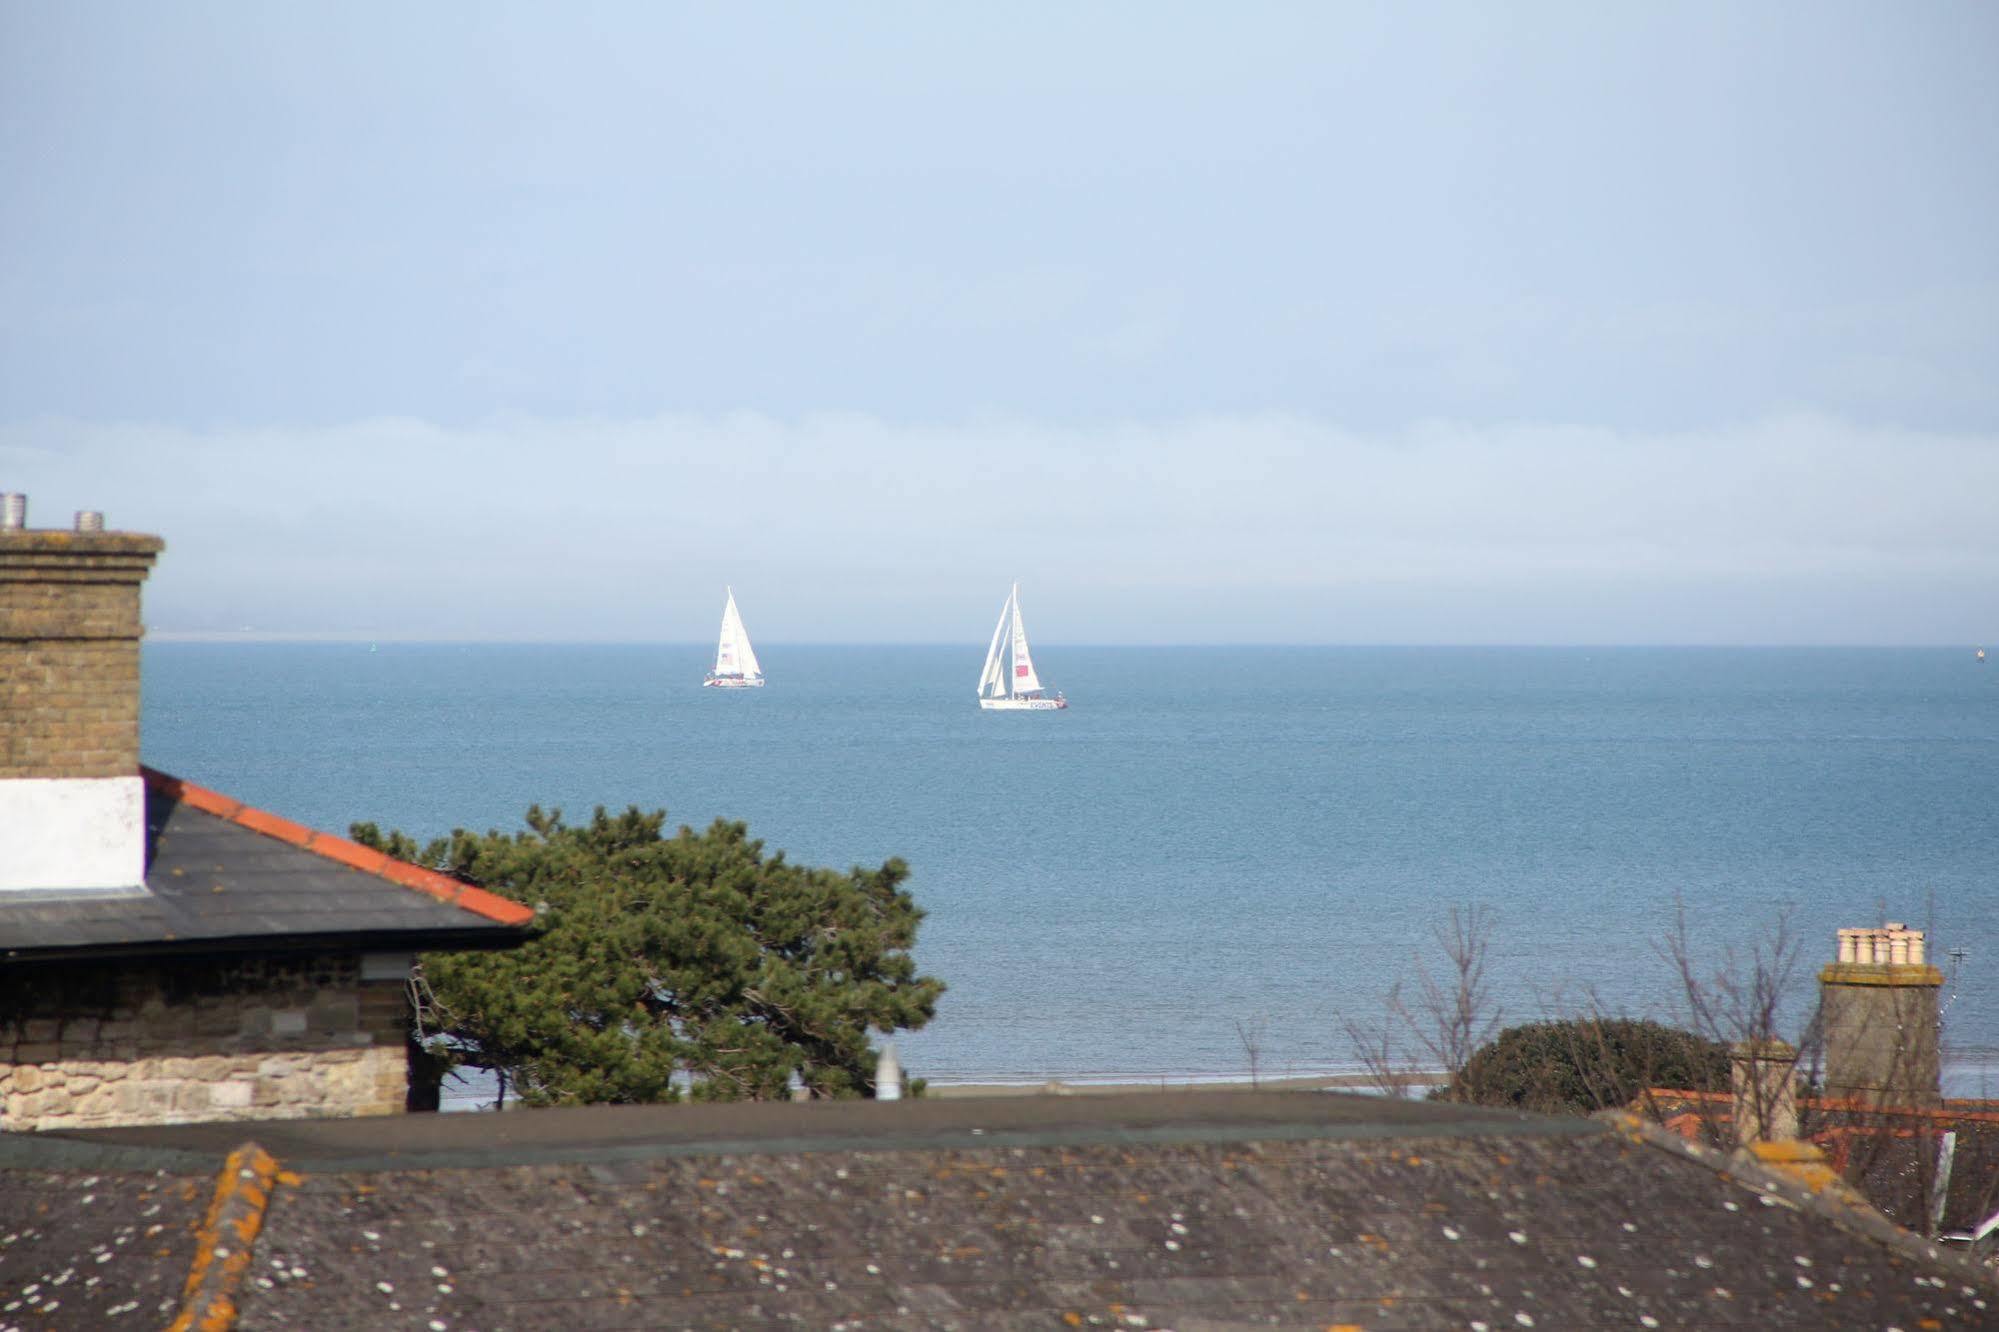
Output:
x,y
489,938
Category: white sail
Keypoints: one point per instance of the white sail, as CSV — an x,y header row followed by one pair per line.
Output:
x,y
1009,683
992,680
1023,679
734,657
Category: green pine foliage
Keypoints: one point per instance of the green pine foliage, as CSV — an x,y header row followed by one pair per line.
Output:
x,y
1584,1065
659,963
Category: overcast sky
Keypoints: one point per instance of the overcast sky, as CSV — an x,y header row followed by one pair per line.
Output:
x,y
1302,323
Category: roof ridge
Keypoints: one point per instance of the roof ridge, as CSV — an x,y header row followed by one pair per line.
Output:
x,y
1829,1199
340,850
1956,1109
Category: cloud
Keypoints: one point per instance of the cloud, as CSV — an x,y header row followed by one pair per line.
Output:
x,y
836,527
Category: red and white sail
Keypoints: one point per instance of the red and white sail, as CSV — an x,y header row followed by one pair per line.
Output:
x,y
1009,679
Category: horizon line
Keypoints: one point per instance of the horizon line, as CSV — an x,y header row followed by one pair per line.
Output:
x,y
343,639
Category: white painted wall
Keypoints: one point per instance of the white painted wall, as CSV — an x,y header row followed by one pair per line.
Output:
x,y
73,832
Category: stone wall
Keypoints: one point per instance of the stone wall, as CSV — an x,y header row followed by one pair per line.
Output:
x,y
92,1045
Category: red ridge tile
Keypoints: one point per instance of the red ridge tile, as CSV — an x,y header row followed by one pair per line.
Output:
x,y
504,910
271,825
351,854
203,799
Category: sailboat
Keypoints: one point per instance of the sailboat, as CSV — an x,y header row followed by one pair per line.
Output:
x,y
735,660
1008,683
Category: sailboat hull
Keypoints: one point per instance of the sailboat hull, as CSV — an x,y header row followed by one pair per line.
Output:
x,y
1023,704
731,682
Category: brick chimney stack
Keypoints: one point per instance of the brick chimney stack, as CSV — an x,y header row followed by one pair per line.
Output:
x,y
72,805
1882,1025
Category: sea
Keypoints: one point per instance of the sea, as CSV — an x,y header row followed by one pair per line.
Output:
x,y
1217,862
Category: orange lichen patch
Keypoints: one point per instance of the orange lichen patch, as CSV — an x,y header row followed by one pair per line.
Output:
x,y
340,850
1800,1161
226,1240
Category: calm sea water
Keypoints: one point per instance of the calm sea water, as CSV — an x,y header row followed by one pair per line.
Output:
x,y
1209,841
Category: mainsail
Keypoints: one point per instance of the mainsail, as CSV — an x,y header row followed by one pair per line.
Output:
x,y
733,654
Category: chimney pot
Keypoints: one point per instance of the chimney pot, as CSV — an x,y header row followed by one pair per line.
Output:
x,y
89,520
888,1075
13,512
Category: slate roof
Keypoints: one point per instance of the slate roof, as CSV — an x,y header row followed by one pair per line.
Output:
x,y
1890,1153
1140,1211
223,876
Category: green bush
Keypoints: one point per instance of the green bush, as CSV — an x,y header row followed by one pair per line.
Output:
x,y
1584,1065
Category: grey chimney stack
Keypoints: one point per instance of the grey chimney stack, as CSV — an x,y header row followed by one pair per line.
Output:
x,y
1879,1006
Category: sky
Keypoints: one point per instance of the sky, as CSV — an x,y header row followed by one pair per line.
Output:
x,y
1539,323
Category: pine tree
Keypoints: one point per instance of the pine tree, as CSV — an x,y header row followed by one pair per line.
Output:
x,y
659,963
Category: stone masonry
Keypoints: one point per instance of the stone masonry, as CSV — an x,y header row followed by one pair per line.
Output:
x,y
97,1044
1882,1024
69,652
